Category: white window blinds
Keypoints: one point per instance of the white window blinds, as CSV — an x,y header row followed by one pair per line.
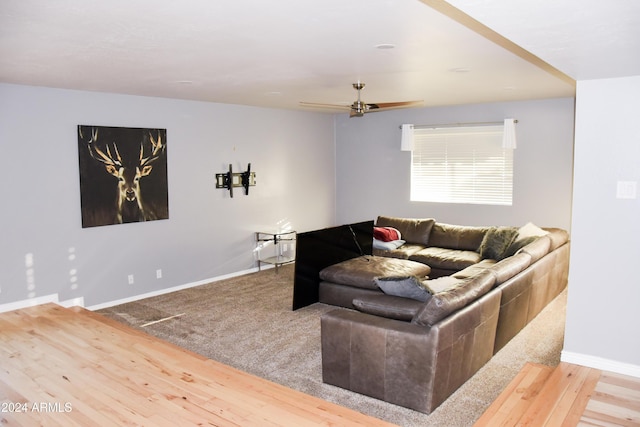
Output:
x,y
462,165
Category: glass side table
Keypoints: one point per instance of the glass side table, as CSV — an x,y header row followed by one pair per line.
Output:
x,y
275,248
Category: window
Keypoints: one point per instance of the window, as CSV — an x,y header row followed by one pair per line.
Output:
x,y
461,165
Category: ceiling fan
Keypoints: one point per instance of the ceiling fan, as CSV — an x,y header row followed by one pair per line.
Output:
x,y
358,108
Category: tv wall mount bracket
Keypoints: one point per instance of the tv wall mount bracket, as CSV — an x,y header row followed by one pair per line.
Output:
x,y
229,180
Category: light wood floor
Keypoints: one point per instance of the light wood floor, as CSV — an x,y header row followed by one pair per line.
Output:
x,y
71,367
568,395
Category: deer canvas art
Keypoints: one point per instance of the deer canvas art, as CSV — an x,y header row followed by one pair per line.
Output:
x,y
123,175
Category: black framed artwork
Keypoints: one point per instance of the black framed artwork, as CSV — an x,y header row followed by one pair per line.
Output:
x,y
123,175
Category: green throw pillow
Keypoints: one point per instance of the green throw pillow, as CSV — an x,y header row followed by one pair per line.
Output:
x,y
519,244
496,242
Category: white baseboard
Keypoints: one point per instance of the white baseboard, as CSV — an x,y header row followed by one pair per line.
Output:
x,y
16,305
173,289
80,300
601,363
74,302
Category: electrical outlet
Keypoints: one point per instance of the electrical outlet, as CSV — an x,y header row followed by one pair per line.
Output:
x,y
626,190
130,277
158,274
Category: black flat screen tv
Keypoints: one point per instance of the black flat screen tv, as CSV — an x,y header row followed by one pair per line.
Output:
x,y
318,249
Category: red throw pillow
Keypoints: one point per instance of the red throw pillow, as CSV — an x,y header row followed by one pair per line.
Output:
x,y
386,234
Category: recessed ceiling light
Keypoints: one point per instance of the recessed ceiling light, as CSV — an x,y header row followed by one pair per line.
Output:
x,y
459,70
185,82
385,46
273,93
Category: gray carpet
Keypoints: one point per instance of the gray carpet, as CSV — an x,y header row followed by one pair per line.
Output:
x,y
247,322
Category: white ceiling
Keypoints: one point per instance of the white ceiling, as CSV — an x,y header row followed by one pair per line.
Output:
x,y
586,39
276,54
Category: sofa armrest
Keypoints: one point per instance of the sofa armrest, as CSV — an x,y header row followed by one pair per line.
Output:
x,y
387,359
410,365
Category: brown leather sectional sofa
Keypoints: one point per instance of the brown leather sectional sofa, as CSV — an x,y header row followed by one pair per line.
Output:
x,y
417,353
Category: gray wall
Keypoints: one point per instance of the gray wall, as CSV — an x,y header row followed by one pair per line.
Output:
x,y
602,310
208,234
373,175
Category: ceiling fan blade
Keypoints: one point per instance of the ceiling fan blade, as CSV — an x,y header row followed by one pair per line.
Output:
x,y
392,105
359,108
320,105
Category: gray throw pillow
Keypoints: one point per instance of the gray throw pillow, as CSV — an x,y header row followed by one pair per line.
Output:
x,y
403,286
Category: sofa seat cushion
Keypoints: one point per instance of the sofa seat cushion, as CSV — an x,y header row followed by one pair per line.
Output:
x,y
362,271
412,230
446,259
474,269
442,304
402,252
440,284
389,306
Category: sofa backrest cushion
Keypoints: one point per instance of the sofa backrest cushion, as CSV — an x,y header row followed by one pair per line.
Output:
x,y
509,267
413,230
446,259
538,248
442,304
461,237
558,237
